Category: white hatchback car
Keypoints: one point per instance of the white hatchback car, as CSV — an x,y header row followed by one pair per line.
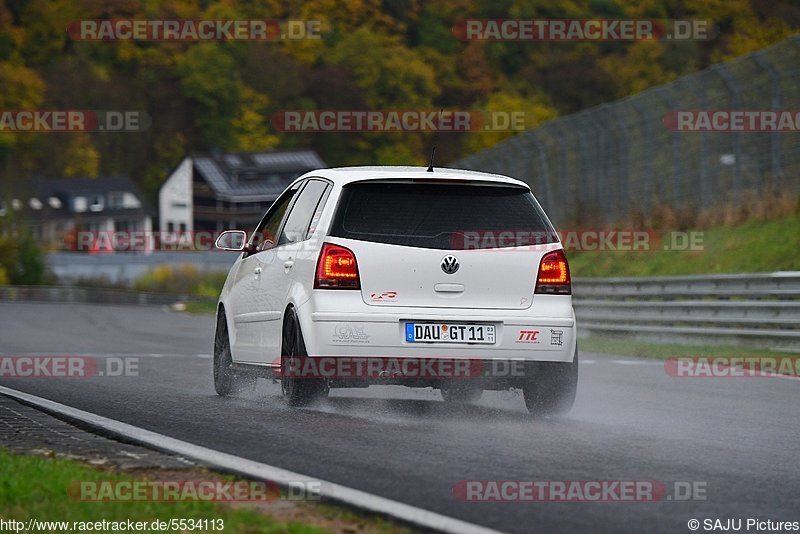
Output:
x,y
359,276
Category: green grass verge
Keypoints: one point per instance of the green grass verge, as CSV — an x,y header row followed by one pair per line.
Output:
x,y
756,246
645,349
201,307
182,279
35,487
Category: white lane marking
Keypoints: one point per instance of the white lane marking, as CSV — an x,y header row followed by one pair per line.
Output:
x,y
588,362
259,471
205,356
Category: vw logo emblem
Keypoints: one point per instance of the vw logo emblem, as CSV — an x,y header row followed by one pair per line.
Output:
x,y
450,264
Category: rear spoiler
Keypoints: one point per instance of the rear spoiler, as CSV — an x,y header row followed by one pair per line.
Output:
x,y
432,180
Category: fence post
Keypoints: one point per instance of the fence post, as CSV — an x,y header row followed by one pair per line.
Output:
x,y
515,159
733,88
544,169
677,168
648,151
561,182
690,81
775,136
601,179
624,151
582,180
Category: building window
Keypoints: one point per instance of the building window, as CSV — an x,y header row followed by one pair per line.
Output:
x,y
182,227
116,200
170,226
97,203
126,226
130,201
79,204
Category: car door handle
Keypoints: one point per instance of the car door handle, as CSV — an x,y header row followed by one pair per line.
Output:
x,y
449,288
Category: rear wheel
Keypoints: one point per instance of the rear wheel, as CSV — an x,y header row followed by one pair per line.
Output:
x,y
460,393
550,387
298,391
228,381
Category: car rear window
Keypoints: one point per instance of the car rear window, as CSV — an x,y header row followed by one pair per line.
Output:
x,y
441,216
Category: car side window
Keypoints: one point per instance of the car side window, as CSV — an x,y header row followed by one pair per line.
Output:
x,y
299,218
266,233
317,213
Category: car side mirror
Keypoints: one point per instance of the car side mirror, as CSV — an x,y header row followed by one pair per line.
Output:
x,y
232,240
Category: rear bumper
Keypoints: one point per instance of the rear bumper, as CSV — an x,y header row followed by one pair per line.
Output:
x,y
364,331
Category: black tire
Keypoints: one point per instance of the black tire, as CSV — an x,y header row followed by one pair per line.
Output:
x,y
228,381
297,391
550,387
460,393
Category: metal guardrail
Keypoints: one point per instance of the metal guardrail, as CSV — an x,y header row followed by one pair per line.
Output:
x,y
762,309
72,267
756,309
89,295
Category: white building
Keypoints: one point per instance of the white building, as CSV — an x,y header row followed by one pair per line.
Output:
x,y
58,211
211,193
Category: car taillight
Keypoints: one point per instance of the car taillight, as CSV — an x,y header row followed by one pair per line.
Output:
x,y
336,268
553,277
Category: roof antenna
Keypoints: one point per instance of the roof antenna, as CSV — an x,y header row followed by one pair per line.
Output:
x,y
435,140
433,153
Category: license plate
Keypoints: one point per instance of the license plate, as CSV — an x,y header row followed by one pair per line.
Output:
x,y
449,333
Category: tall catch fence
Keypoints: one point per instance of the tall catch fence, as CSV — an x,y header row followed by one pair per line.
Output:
x,y
606,163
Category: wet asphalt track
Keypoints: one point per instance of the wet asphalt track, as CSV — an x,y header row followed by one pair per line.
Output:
x,y
738,437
